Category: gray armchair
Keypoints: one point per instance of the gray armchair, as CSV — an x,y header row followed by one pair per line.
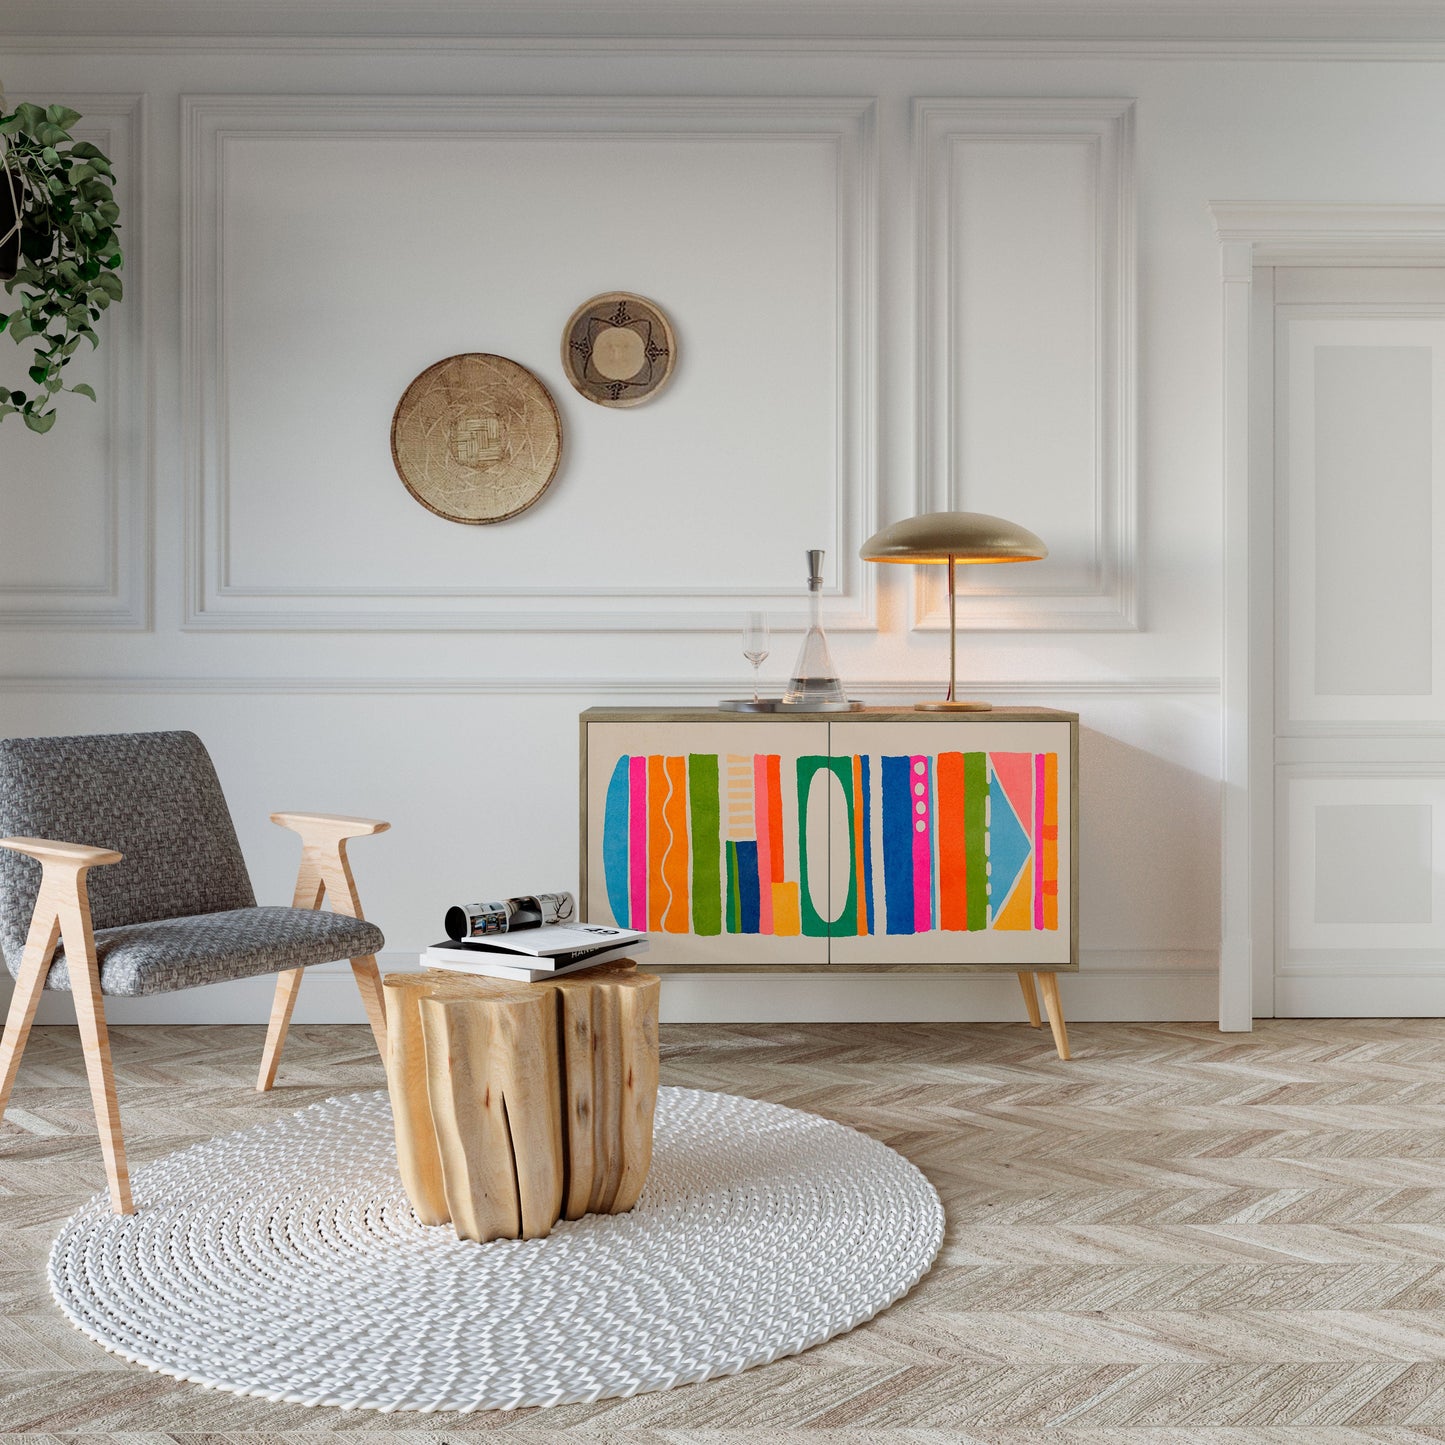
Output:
x,y
171,905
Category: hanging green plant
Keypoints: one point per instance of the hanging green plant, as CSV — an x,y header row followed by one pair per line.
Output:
x,y
69,251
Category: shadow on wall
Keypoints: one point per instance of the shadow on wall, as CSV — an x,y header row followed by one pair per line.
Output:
x,y
1149,849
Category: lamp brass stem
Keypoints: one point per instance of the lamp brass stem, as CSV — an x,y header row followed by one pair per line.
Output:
x,y
951,702
952,637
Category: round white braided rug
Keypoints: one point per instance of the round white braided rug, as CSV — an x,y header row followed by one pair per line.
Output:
x,y
284,1261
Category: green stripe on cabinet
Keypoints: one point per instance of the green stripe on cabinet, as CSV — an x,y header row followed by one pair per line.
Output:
x,y
975,840
735,910
702,791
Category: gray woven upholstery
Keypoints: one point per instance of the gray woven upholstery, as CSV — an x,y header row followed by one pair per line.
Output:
x,y
139,958
153,796
178,910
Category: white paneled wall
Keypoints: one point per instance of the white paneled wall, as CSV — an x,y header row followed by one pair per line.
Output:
x,y
900,278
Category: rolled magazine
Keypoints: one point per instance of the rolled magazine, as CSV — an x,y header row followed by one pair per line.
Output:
x,y
509,915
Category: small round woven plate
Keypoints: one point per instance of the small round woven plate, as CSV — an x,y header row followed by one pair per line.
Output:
x,y
619,349
476,438
285,1262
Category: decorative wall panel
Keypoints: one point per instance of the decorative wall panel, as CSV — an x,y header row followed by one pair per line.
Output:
x,y
406,230
75,503
1025,223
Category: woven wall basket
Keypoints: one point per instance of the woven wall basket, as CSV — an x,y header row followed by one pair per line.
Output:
x,y
476,438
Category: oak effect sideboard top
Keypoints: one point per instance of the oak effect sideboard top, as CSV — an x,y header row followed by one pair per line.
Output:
x,y
874,840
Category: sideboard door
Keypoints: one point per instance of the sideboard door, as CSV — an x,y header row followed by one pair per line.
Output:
x,y
712,836
962,843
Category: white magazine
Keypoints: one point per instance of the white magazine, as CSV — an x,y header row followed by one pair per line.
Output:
x,y
455,959
554,938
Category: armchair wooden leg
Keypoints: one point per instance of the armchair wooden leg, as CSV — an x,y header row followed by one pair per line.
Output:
x,y
373,1000
1049,982
34,965
62,911
288,985
1031,997
95,1045
324,873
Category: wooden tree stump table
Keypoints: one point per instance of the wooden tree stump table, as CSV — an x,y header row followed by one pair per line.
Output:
x,y
519,1104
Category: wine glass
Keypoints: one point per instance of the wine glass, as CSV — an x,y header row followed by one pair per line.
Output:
x,y
756,644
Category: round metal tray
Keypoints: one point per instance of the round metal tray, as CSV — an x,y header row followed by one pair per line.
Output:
x,y
776,704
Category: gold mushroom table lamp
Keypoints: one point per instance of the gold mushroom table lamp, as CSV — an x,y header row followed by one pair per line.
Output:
x,y
953,537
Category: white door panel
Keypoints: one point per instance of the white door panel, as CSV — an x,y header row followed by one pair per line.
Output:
x,y
1359,464
1361,452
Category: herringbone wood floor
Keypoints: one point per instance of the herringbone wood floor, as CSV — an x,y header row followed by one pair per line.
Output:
x,y
1180,1236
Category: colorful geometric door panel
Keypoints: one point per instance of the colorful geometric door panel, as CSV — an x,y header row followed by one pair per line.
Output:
x,y
695,833
920,843
963,833
970,841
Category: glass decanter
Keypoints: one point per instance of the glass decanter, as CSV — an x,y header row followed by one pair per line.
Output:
x,y
815,680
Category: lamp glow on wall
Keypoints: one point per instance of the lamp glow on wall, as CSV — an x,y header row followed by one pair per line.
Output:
x,y
953,537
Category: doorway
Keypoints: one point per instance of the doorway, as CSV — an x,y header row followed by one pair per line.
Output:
x,y
1358,638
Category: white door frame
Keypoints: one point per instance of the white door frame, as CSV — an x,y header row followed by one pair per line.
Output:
x,y
1253,234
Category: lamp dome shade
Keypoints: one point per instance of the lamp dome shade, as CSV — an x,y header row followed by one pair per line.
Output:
x,y
964,536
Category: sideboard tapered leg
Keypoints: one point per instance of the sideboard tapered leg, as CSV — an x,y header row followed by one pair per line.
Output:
x,y
1050,985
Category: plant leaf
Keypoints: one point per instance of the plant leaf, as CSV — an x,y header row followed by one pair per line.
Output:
x,y
69,248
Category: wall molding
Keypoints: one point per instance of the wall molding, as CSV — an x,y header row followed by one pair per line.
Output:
x,y
584,687
1154,31
1106,128
1305,52
847,126
1326,233
121,598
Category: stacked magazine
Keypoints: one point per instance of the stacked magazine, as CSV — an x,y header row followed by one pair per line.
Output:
x,y
528,939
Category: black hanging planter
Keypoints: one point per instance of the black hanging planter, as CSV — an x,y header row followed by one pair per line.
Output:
x,y
9,224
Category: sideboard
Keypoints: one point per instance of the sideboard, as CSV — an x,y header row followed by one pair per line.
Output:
x,y
868,841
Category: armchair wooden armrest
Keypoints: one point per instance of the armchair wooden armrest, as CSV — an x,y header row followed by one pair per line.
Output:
x,y
325,872
329,825
324,866
68,855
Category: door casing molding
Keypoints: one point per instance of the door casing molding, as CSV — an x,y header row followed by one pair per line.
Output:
x,y
1254,234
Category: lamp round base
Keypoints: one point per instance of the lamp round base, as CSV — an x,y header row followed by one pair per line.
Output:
x,y
953,707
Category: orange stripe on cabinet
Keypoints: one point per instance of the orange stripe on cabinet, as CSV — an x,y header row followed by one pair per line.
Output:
x,y
675,861
952,844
